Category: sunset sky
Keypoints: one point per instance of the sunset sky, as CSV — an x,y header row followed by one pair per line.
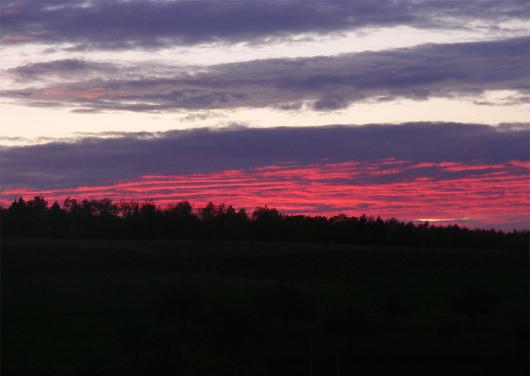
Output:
x,y
411,109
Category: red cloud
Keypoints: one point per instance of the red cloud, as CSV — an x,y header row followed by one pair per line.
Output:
x,y
487,195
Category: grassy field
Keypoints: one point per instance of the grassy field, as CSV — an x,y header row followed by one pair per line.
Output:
x,y
114,307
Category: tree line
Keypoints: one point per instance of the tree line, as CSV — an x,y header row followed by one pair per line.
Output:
x,y
104,218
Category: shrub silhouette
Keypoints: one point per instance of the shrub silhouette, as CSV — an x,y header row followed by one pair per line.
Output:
x,y
391,307
521,337
348,325
134,339
474,303
285,303
183,303
232,328
450,329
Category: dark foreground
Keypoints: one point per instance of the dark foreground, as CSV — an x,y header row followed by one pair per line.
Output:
x,y
114,307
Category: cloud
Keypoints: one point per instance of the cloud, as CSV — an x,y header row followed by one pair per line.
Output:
x,y
92,160
198,116
325,83
507,101
66,68
160,23
72,69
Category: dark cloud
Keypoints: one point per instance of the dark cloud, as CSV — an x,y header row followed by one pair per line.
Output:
x,y
156,23
326,83
510,100
330,103
87,111
197,116
289,106
92,160
66,68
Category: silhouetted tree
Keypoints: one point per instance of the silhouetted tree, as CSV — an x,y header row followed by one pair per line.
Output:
x,y
103,218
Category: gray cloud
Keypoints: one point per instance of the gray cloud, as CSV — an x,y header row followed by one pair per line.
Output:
x,y
195,116
158,23
92,160
326,83
508,101
76,69
67,68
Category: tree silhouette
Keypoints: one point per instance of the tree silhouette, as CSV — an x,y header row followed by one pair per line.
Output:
x,y
129,219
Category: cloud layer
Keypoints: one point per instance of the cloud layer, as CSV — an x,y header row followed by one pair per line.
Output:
x,y
93,161
159,23
324,83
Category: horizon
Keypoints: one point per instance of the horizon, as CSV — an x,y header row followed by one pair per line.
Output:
x,y
198,207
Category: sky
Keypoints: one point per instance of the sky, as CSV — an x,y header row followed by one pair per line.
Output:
x,y
414,109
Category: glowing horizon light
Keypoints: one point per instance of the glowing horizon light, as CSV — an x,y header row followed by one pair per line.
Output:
x,y
446,219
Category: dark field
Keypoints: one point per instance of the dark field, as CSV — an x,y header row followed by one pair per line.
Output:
x,y
109,307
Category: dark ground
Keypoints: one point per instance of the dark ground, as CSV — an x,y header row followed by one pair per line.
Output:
x,y
114,307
